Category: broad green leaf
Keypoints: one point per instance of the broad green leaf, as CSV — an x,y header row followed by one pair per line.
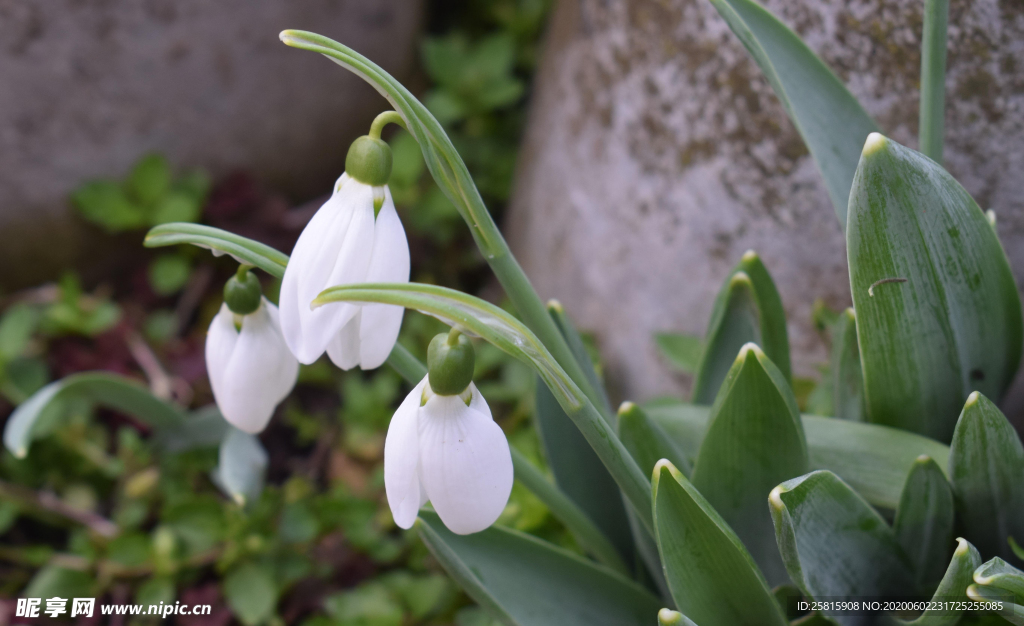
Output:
x,y
835,545
251,592
754,441
986,469
109,390
18,323
220,242
204,428
747,309
150,179
495,325
242,465
998,574
938,315
647,441
522,580
55,581
830,120
105,204
924,521
847,377
874,460
952,588
168,273
682,351
713,578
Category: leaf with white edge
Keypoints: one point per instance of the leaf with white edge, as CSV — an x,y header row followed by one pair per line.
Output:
x,y
938,314
1009,610
755,440
874,460
682,351
845,369
986,469
831,121
668,617
241,467
105,389
924,521
952,588
219,242
713,578
835,545
524,581
999,574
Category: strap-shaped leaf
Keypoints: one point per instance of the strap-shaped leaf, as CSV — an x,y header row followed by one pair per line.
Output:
x,y
998,574
938,315
682,351
830,120
874,460
579,351
109,390
241,466
835,545
754,441
952,589
219,242
1009,612
986,469
713,578
523,581
924,521
668,617
747,309
847,377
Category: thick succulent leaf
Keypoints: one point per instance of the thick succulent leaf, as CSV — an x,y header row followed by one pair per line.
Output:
x,y
938,315
874,460
1009,610
682,351
577,469
986,469
830,120
847,377
523,581
952,588
754,441
242,466
219,242
835,545
108,390
999,574
713,578
924,521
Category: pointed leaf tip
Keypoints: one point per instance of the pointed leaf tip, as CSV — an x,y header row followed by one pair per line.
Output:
x,y
626,407
874,143
554,306
749,256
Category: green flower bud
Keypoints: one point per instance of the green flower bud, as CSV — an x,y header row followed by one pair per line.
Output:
x,y
242,292
369,161
450,361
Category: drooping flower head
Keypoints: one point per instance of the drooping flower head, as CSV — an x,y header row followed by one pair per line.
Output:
x,y
250,368
443,446
355,237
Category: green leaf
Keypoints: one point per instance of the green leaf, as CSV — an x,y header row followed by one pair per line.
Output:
x,y
522,580
924,521
755,440
203,428
220,242
938,315
952,588
874,460
150,179
834,544
986,469
108,390
168,273
105,204
713,578
998,574
53,581
1017,549
176,206
369,604
578,349
682,351
242,465
251,593
748,309
847,376
17,325
1009,612
647,441
830,120
668,617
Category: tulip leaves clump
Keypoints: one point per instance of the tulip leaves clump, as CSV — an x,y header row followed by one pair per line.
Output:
x,y
905,505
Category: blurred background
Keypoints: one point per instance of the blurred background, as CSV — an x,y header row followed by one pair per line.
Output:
x,y
631,148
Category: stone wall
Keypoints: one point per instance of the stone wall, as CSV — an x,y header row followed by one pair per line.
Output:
x,y
657,154
90,85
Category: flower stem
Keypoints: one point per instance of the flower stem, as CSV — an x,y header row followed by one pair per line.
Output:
x,y
931,119
382,120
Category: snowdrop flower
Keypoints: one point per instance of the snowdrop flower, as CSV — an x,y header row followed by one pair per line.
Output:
x,y
355,237
443,446
248,362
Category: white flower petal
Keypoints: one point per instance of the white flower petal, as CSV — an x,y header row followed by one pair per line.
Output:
x,y
401,461
465,464
259,374
220,343
344,347
389,263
